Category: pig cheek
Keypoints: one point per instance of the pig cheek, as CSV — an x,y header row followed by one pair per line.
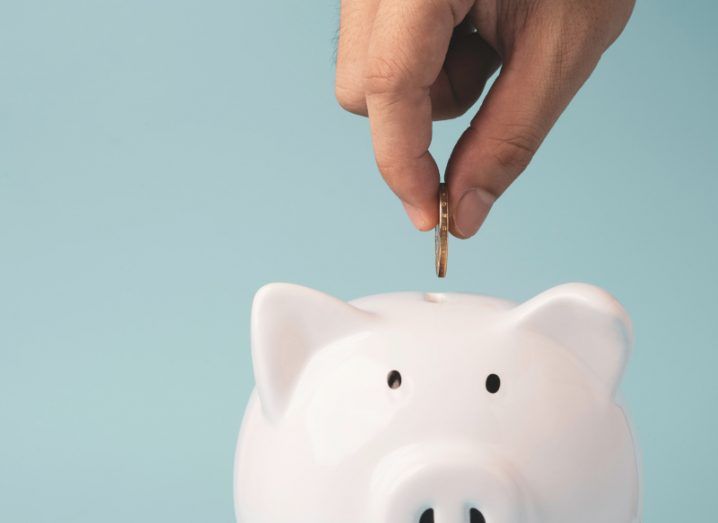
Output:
x,y
548,419
542,394
350,408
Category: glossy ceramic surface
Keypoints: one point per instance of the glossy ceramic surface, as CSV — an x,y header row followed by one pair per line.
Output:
x,y
453,408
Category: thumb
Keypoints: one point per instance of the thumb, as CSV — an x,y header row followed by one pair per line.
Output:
x,y
523,104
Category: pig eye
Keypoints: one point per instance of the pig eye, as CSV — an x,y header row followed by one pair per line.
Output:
x,y
493,383
394,379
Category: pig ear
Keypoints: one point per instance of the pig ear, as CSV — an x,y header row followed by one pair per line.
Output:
x,y
585,320
290,323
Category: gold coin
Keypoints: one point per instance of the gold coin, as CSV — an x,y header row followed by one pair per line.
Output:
x,y
441,232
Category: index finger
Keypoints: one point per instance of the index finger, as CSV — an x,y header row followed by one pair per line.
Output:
x,y
408,44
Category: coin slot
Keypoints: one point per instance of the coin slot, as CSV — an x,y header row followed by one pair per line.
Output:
x,y
434,297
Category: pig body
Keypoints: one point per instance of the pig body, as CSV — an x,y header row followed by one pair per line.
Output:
x,y
446,408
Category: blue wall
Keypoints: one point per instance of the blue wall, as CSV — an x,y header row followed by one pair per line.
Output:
x,y
159,161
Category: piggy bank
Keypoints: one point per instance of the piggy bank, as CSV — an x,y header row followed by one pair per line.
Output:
x,y
446,408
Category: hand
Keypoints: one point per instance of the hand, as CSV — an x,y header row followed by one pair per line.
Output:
x,y
405,63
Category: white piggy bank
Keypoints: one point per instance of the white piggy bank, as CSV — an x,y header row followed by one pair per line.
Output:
x,y
446,408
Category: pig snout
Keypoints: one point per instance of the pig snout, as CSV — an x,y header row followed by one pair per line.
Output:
x,y
447,483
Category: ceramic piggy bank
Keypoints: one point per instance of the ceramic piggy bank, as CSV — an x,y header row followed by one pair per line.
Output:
x,y
445,408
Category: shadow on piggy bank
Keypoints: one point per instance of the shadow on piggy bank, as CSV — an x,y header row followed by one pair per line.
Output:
x,y
446,408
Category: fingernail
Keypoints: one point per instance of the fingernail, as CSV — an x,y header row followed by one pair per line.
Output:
x,y
471,211
416,215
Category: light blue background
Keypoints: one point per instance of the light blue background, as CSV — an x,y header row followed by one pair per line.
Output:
x,y
159,161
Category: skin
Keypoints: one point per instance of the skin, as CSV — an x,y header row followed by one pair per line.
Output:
x,y
405,63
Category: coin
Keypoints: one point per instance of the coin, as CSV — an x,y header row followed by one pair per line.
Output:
x,y
441,232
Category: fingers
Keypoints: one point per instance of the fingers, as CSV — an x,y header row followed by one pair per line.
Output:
x,y
469,63
409,42
399,64
355,23
534,86
454,81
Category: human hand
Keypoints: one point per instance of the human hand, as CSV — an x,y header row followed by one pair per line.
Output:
x,y
405,63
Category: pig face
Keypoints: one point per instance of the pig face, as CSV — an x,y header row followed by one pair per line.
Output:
x,y
447,408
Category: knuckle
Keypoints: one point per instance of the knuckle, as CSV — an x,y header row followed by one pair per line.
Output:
x,y
387,165
385,75
350,99
514,150
391,169
587,30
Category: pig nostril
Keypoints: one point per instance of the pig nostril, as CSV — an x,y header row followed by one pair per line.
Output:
x,y
475,516
427,516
